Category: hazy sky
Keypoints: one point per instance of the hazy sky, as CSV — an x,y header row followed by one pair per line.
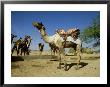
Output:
x,y
21,22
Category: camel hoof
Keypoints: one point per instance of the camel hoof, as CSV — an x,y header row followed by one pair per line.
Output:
x,y
58,67
76,68
66,69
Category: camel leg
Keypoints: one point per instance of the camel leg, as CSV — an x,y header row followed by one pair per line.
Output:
x,y
24,52
17,52
65,65
54,52
63,58
40,53
27,51
12,52
60,59
17,49
21,51
78,49
13,49
59,67
51,52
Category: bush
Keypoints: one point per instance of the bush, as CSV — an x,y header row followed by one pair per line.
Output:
x,y
71,50
87,50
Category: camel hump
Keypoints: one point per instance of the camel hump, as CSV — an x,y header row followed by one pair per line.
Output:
x,y
70,31
61,31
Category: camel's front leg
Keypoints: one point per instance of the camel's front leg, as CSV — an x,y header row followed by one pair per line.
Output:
x,y
78,49
13,50
40,53
59,58
21,50
63,59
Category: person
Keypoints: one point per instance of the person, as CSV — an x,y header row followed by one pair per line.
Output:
x,y
41,46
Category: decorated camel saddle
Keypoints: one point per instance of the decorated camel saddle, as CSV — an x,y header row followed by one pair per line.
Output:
x,y
70,37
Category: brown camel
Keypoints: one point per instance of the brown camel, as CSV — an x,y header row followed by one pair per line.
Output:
x,y
22,45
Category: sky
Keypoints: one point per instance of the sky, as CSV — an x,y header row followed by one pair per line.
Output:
x,y
21,23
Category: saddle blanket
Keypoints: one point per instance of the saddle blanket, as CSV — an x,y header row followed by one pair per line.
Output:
x,y
77,41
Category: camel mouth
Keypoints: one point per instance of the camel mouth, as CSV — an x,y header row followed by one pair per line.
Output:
x,y
35,24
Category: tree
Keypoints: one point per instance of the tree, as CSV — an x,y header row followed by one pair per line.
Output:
x,y
92,33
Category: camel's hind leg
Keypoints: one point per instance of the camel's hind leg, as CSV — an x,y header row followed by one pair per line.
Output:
x,y
65,65
78,49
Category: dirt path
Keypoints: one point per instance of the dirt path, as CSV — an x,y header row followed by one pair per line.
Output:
x,y
35,66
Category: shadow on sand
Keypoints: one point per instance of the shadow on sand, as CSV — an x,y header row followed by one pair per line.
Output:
x,y
72,64
16,58
22,58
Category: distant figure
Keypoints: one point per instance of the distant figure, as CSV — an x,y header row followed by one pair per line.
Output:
x,y
41,46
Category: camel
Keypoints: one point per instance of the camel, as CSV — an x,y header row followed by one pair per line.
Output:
x,y
71,40
22,45
16,46
59,43
41,46
12,37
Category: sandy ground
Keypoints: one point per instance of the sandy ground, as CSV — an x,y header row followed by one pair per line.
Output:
x,y
45,65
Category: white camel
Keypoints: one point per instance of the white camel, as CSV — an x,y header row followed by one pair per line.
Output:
x,y
59,42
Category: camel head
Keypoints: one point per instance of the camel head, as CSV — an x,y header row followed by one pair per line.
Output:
x,y
38,25
12,35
